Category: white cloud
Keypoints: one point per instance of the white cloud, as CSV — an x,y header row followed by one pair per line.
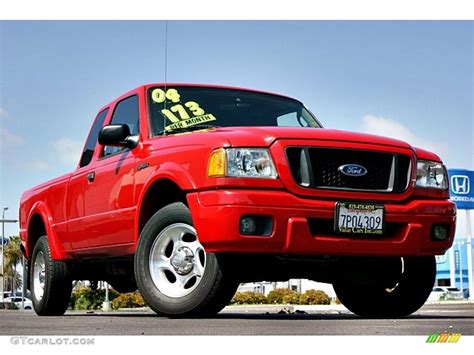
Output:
x,y
3,113
67,150
390,128
6,136
39,165
9,138
36,164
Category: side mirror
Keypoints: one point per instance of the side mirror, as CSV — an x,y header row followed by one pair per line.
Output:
x,y
117,135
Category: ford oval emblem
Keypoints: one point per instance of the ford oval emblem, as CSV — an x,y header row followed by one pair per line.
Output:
x,y
352,170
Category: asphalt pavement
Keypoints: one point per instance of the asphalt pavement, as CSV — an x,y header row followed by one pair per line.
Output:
x,y
243,320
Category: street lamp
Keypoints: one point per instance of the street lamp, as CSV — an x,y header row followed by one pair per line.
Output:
x,y
461,276
5,208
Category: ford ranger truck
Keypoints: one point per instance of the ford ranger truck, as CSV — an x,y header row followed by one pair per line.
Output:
x,y
186,191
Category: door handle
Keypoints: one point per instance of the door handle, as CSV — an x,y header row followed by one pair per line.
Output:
x,y
91,176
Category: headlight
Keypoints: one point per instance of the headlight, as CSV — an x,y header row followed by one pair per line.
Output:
x,y
241,162
431,174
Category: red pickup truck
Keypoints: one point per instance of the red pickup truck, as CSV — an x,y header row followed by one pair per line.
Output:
x,y
185,191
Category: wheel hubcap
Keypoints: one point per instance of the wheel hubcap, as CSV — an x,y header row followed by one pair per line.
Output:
x,y
39,276
177,260
183,261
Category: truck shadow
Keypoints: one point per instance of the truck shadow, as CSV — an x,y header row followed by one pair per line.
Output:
x,y
269,316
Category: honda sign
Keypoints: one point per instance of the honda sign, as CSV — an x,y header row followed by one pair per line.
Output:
x,y
462,188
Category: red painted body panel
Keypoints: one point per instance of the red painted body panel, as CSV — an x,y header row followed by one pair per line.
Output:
x,y
95,219
109,198
291,233
49,204
75,207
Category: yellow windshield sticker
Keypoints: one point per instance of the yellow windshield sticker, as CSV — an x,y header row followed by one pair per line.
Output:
x,y
191,122
194,108
173,95
159,95
170,114
180,115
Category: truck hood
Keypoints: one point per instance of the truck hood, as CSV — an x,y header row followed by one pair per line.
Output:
x,y
265,136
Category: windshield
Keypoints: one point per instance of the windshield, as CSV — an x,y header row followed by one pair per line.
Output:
x,y
181,108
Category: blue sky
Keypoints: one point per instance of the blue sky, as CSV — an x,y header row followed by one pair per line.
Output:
x,y
411,80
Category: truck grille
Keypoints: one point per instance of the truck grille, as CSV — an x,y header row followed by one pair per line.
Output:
x,y
320,168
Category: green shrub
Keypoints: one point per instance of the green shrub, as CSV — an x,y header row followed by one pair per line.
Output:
x,y
314,297
128,300
84,298
283,296
248,297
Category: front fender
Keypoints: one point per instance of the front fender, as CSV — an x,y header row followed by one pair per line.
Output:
x,y
166,171
174,172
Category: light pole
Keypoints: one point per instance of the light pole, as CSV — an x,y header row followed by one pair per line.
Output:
x,y
469,256
461,277
106,306
5,208
452,268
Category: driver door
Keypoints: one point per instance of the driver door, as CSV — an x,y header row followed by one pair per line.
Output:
x,y
109,193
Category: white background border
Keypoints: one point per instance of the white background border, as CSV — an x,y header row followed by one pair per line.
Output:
x,y
242,9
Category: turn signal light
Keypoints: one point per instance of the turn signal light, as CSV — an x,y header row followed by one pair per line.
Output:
x,y
216,166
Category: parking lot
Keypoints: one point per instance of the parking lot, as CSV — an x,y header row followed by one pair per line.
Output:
x,y
242,320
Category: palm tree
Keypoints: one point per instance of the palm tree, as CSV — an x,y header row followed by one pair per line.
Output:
x,y
13,256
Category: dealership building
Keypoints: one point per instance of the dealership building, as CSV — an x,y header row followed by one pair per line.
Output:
x,y
452,267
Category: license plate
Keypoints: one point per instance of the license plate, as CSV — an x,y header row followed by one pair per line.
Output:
x,y
359,218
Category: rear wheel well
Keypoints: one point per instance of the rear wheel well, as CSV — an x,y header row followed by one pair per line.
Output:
x,y
36,229
161,193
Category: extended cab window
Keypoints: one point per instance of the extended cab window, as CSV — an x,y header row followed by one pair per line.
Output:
x,y
126,112
91,141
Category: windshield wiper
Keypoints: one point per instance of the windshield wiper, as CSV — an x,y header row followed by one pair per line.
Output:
x,y
187,129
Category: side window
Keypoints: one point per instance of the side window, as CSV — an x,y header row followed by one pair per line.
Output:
x,y
126,112
92,139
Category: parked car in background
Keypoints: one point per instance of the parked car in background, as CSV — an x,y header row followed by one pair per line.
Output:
x,y
443,293
437,294
454,293
28,304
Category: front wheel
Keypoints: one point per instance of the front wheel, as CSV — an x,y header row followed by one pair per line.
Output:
x,y
175,275
386,288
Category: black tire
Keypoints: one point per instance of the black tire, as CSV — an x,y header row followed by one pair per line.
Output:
x,y
392,289
57,282
213,291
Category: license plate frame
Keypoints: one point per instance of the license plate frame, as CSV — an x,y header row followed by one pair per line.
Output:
x,y
362,210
